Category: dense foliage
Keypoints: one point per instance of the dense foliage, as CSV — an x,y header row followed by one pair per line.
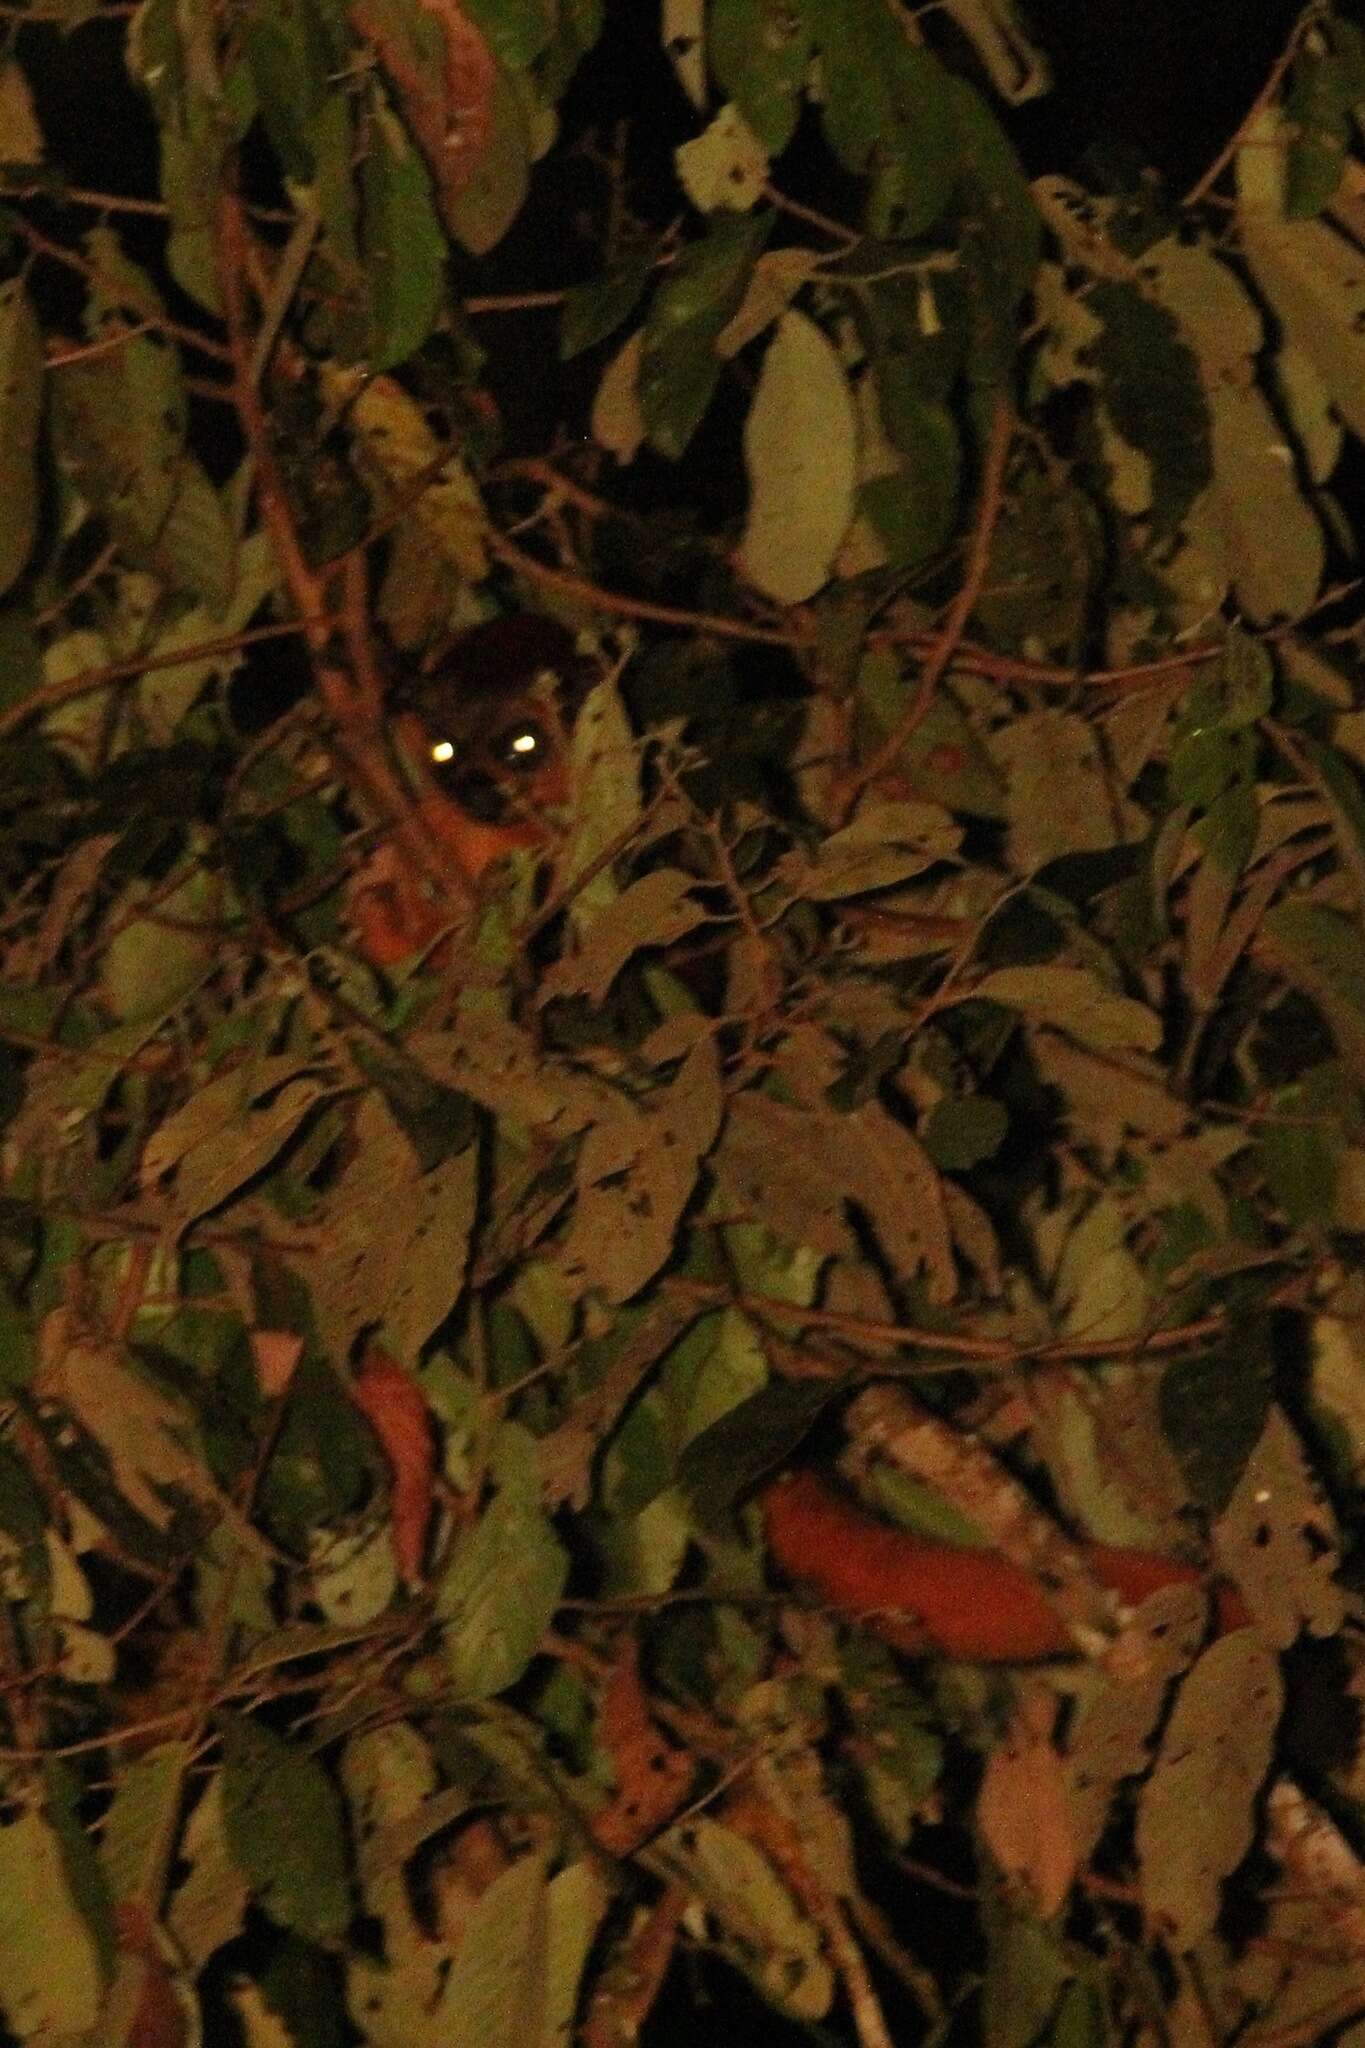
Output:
x,y
924,1053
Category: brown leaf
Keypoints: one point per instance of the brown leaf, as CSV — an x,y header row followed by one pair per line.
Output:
x,y
1023,1809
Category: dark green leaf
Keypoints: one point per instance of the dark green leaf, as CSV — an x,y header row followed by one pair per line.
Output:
x,y
1318,110
1213,1409
885,108
1228,830
1202,766
21,408
318,1468
678,364
759,52
1233,691
993,193
596,309
962,1130
84,1872
18,1346
517,30
285,1829
1301,1142
286,53
300,1984
1321,953
718,1467
404,248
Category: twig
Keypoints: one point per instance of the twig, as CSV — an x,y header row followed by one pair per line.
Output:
x,y
959,611
1203,186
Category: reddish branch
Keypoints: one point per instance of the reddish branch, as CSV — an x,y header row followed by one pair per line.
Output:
x,y
344,666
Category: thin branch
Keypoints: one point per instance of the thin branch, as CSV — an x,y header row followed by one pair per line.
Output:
x,y
1203,186
955,624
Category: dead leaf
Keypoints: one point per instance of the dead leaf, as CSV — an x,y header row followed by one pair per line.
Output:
x,y
1022,1808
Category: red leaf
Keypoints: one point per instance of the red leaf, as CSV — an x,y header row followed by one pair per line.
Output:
x,y
392,1404
922,1596
160,2020
448,113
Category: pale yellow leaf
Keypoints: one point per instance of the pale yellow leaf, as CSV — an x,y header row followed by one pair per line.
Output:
x,y
725,168
618,424
801,454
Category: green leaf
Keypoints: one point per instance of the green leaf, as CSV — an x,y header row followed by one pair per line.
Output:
x,y
1228,829
84,1872
1347,802
919,502
1202,766
1232,692
318,1468
962,1130
23,1520
1318,110
21,407
141,1825
1077,1002
594,310
1302,1141
499,1970
285,50
500,1593
885,107
1081,2020
1213,1409
759,52
1301,1167
300,1984
51,1982
679,366
992,190
404,247
517,30
1026,1973
285,1828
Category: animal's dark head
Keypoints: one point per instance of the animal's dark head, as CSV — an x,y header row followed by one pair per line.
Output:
x,y
494,706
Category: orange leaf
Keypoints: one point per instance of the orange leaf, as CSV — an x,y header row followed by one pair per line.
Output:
x,y
392,1404
652,1777
276,1353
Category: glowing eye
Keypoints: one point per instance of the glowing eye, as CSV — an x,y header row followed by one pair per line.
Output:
x,y
442,751
525,743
